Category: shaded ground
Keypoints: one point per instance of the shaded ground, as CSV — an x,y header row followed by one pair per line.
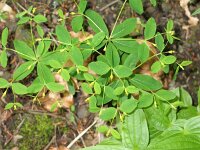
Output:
x,y
71,123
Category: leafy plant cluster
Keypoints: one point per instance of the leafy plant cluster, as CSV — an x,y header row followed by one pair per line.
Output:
x,y
148,112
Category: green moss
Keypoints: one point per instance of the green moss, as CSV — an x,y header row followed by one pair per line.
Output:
x,y
36,132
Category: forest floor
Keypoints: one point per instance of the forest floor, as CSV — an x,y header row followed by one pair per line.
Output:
x,y
36,128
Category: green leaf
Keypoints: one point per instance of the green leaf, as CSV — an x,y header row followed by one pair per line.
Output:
x,y
9,106
40,31
63,35
93,105
40,18
115,134
137,5
108,113
102,128
168,59
4,59
122,71
35,87
186,63
97,88
156,67
40,49
135,134
159,42
131,60
128,46
170,25
55,87
150,29
82,6
55,64
19,88
76,56
3,83
4,37
132,89
143,52
125,28
112,55
128,106
165,95
192,126
146,82
99,67
23,20
23,70
65,74
44,73
145,100
24,50
86,88
119,90
196,12
77,23
96,22
88,77
153,2
98,38
109,92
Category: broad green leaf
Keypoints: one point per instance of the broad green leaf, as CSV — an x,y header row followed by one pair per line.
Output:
x,y
3,83
40,31
99,67
192,126
63,35
39,18
153,2
3,59
96,22
145,100
98,38
19,88
168,59
86,88
65,74
137,5
88,77
55,64
170,25
76,56
55,87
186,63
156,67
35,87
115,134
119,90
143,52
159,40
132,89
24,50
128,46
93,105
23,70
108,143
187,113
102,128
44,73
150,29
4,37
124,28
23,20
82,68
175,142
108,113
135,134
196,12
109,92
82,6
40,48
146,82
128,106
165,95
131,60
122,71
112,55
77,23
9,106
97,88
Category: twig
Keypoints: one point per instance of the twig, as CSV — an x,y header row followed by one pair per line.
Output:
x,y
108,5
49,144
81,134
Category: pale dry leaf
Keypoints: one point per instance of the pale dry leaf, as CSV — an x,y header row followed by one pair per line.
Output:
x,y
82,36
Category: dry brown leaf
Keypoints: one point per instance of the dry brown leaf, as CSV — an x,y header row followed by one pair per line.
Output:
x,y
82,36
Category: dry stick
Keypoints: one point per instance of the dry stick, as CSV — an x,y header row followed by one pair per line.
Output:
x,y
81,134
49,144
108,5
